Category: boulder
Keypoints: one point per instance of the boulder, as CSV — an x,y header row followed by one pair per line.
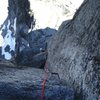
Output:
x,y
38,39
26,84
35,54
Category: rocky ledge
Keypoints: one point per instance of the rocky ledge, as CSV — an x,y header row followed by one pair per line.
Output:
x,y
26,84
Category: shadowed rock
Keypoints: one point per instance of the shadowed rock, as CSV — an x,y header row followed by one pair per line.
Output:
x,y
35,54
26,84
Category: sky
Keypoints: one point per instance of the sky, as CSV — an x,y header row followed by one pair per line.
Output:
x,y
3,15
49,14
3,10
43,12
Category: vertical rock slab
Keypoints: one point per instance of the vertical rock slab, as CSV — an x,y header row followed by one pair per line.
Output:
x,y
15,28
74,51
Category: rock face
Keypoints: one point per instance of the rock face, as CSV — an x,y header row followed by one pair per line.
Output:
x,y
26,84
74,51
15,27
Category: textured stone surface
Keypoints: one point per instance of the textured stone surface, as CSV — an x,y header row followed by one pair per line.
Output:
x,y
26,84
74,51
36,54
38,39
14,29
